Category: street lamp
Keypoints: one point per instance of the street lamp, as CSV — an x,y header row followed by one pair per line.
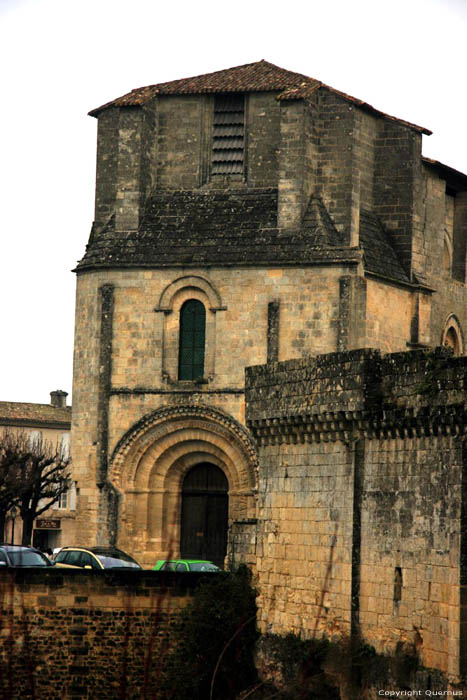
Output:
x,y
13,514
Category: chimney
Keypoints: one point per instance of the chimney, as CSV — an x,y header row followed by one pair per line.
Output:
x,y
58,398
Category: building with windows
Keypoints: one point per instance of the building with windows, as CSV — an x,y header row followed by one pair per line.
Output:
x,y
49,423
246,216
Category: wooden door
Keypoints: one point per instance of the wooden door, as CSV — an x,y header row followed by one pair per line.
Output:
x,y
205,507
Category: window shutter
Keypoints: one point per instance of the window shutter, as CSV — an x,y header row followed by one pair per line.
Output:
x,y
192,340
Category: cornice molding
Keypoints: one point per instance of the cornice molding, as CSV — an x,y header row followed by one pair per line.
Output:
x,y
348,426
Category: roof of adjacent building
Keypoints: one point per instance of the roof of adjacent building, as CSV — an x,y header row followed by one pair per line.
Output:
x,y
260,76
31,415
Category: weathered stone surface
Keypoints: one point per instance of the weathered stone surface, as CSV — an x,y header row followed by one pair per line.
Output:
x,y
362,471
336,236
93,635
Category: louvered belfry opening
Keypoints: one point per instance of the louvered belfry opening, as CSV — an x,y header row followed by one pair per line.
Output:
x,y
228,135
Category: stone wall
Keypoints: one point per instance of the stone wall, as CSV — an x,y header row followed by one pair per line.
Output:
x,y
126,348
397,172
69,635
362,472
440,223
389,317
262,138
335,172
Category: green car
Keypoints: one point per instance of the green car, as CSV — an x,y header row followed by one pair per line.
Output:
x,y
185,565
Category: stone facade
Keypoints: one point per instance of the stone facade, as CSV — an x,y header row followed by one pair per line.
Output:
x,y
325,231
361,500
52,424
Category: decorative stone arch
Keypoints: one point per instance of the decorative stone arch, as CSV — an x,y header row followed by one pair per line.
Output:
x,y
166,299
452,335
150,462
170,303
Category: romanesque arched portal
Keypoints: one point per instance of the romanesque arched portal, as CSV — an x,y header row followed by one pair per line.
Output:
x,y
152,461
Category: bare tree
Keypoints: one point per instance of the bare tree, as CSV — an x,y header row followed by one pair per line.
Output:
x,y
12,463
36,475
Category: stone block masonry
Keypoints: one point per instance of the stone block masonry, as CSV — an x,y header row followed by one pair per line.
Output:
x,y
69,634
362,467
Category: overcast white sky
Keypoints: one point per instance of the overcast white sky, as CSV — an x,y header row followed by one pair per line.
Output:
x,y
61,58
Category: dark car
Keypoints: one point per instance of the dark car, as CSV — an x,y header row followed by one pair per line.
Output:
x,y
95,558
12,555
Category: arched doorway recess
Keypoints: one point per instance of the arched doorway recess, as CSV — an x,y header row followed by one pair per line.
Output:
x,y
151,462
204,513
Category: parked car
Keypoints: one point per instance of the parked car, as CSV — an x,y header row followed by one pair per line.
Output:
x,y
19,555
95,558
185,565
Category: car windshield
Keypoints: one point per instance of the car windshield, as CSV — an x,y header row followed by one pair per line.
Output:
x,y
117,561
27,557
203,566
169,565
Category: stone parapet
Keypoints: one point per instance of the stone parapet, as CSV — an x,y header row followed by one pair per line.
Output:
x,y
361,501
359,393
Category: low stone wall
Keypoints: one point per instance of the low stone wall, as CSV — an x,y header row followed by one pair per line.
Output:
x,y
72,634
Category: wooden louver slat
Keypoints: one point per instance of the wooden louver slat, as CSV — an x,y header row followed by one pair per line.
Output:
x,y
228,135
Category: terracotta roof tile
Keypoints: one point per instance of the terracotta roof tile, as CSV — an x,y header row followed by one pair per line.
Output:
x,y
306,90
13,412
445,170
250,77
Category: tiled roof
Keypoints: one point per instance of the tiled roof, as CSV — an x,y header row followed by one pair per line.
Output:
x,y
191,228
30,414
379,255
318,227
251,77
233,227
445,170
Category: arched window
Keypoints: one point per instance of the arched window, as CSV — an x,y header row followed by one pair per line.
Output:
x,y
452,336
192,340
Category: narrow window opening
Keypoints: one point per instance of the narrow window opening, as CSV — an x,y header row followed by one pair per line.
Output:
x,y
192,340
397,585
228,135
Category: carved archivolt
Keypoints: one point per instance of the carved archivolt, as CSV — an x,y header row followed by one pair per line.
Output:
x,y
151,460
175,431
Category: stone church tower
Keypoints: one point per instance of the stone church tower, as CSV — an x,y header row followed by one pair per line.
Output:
x,y
246,216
